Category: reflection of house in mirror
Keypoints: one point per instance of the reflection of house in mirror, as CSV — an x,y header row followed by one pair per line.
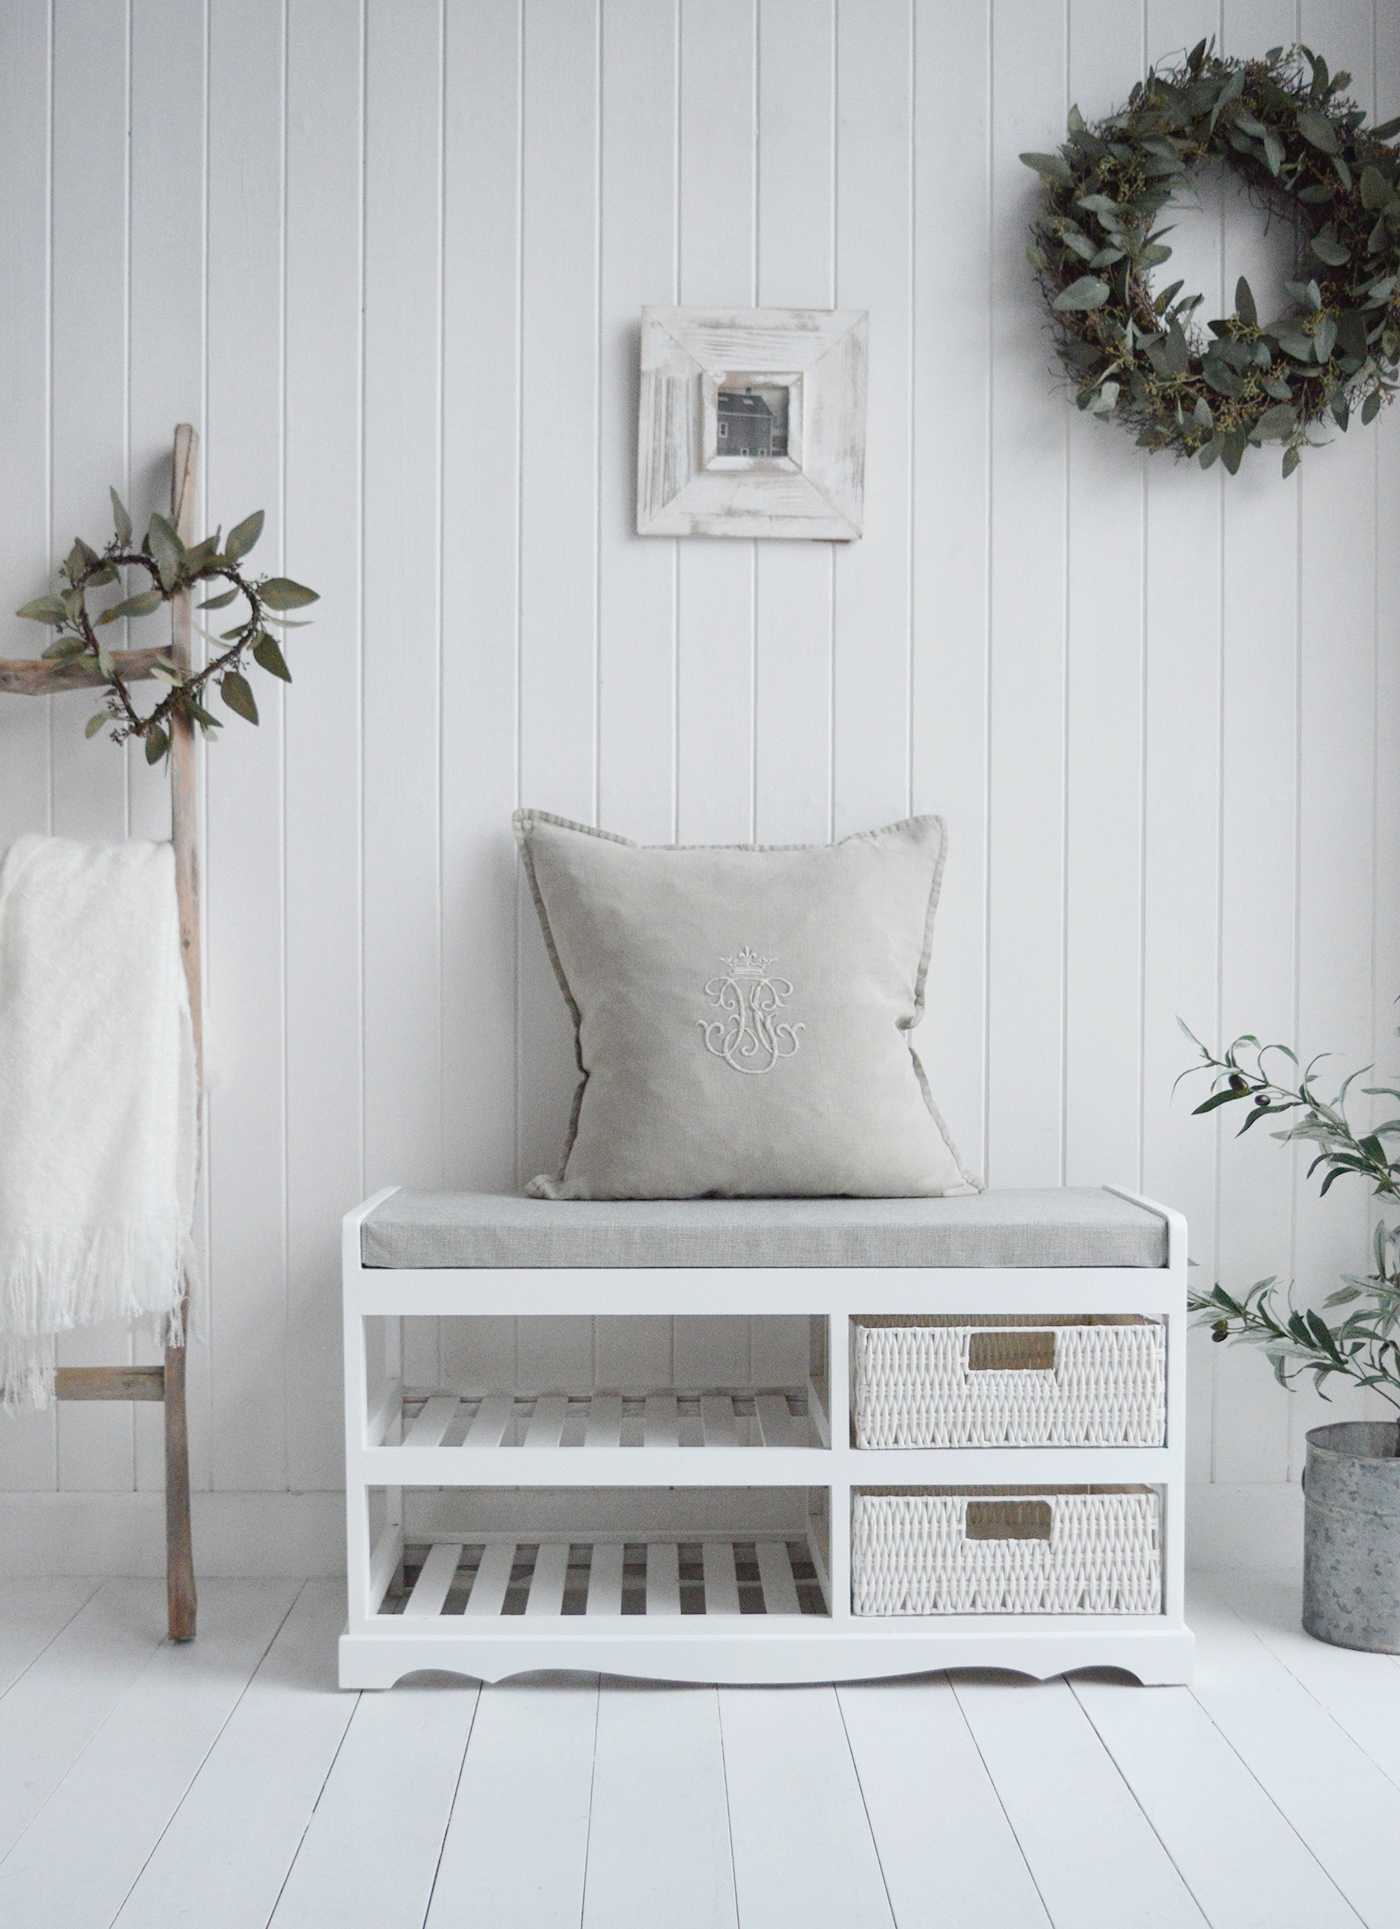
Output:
x,y
748,425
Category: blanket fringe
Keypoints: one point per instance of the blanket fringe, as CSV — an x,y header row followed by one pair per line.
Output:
x,y
54,1280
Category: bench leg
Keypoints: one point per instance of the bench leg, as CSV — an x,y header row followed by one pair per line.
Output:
x,y
179,1546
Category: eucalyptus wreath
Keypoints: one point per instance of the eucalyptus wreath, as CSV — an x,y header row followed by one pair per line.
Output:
x,y
170,567
1286,127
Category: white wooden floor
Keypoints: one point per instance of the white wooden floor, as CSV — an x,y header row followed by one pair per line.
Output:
x,y
228,1785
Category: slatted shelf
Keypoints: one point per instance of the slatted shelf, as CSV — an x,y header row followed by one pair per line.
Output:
x,y
650,1577
777,1417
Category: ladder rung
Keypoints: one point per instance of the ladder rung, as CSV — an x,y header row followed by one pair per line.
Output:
x,y
109,1383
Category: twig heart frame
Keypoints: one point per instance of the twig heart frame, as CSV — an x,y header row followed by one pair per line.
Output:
x,y
1283,124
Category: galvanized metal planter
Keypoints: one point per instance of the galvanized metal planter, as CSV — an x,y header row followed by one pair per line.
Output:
x,y
1351,1544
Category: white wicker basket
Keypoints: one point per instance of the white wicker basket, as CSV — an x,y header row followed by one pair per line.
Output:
x,y
1018,1550
1015,1381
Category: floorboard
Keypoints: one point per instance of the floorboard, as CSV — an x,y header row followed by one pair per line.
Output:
x,y
945,1846
517,1844
804,1857
60,1701
658,1834
1246,1868
223,1860
371,1848
1360,1691
77,1860
1316,1775
1088,1844
231,1785
32,1614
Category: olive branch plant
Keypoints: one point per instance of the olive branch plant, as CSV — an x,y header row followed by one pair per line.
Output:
x,y
1364,1345
171,567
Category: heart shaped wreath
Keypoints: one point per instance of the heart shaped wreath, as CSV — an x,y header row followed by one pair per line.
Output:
x,y
1284,125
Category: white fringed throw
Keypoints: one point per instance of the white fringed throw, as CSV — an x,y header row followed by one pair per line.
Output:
x,y
97,1099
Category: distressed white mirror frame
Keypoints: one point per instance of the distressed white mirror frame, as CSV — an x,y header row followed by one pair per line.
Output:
x,y
815,487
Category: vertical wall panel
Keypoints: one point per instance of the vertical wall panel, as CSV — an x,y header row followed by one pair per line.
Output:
x,y
480,575
28,1458
559,508
636,579
1103,721
1181,693
1258,845
796,268
1027,624
1385,1047
715,576
325,1154
243,885
166,386
873,188
559,557
950,529
1337,683
403,640
88,422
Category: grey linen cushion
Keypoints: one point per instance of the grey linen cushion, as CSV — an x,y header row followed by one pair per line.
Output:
x,y
743,1014
1068,1226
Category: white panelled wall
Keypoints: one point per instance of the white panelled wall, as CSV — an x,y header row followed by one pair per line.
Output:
x,y
389,258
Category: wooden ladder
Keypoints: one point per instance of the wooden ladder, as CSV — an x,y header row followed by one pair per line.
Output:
x,y
166,1383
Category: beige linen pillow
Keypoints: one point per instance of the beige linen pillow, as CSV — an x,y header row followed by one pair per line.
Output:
x,y
743,1013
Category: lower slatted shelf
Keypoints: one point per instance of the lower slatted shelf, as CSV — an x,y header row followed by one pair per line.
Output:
x,y
605,1577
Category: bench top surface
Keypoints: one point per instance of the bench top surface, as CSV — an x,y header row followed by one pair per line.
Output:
x,y
1062,1226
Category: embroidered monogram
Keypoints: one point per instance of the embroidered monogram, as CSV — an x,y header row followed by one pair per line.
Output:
x,y
749,1036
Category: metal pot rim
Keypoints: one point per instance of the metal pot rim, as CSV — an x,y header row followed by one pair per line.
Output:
x,y
1333,1449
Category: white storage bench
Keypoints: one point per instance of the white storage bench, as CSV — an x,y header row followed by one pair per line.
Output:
x,y
738,1532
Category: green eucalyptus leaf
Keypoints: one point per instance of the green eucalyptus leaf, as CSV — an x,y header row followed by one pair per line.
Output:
x,y
1244,304
1276,424
167,551
157,743
1376,191
237,693
1325,338
1371,407
94,724
1327,248
1317,129
280,593
145,603
121,521
219,602
1273,153
1051,167
105,663
1291,459
267,653
44,609
243,536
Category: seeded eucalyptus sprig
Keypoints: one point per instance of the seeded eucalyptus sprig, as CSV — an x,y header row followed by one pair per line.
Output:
x,y
170,567
1285,126
1365,1346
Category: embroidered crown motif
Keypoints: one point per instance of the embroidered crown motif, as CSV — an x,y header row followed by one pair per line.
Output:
x,y
748,964
749,1035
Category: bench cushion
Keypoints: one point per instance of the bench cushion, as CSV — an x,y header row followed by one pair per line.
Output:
x,y
1060,1227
